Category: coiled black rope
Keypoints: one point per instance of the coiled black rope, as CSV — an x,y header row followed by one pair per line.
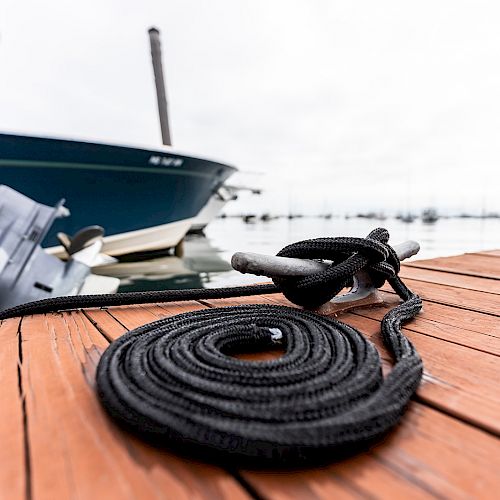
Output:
x,y
175,381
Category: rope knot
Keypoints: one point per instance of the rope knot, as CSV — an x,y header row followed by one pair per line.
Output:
x,y
348,256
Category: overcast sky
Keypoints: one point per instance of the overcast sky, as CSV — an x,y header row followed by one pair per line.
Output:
x,y
343,105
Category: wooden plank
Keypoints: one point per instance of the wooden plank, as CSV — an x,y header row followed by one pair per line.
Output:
x,y
487,253
473,265
456,280
104,322
13,477
107,322
133,316
75,450
469,393
473,300
476,330
461,318
430,455
254,299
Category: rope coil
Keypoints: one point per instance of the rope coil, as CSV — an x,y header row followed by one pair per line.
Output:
x,y
175,381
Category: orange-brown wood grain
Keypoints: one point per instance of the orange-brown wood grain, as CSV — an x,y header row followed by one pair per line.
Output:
x,y
57,442
451,279
430,455
471,394
488,253
358,475
13,466
443,322
458,297
75,449
468,264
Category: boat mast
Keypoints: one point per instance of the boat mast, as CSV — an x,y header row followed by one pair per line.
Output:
x,y
154,38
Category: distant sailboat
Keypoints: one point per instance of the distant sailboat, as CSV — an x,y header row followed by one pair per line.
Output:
x,y
406,217
429,216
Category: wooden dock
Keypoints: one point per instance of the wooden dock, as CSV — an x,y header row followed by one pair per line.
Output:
x,y
56,442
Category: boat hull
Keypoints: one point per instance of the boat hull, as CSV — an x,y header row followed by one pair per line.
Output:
x,y
125,190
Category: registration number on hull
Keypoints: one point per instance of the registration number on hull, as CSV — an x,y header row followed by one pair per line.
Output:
x,y
165,161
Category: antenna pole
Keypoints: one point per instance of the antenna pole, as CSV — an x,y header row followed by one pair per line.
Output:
x,y
154,38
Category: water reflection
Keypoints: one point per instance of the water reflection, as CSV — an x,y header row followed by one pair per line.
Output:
x,y
194,269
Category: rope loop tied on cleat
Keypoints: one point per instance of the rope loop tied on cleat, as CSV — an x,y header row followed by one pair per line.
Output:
x,y
348,256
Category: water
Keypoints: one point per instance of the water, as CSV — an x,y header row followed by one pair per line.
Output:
x,y
206,260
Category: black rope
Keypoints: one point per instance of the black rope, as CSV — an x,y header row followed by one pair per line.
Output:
x,y
55,304
176,383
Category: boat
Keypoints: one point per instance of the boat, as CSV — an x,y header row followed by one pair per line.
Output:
x,y
27,272
144,198
430,216
372,215
406,217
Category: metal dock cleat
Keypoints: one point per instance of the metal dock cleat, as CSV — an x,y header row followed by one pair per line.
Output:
x,y
362,293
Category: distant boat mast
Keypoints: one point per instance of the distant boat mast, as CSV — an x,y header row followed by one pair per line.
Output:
x,y
154,38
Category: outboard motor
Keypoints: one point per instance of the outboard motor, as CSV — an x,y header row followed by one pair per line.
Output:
x,y
27,272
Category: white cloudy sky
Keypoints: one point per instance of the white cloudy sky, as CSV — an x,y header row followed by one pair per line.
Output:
x,y
341,105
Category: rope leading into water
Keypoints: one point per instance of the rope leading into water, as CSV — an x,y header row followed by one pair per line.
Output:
x,y
175,382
